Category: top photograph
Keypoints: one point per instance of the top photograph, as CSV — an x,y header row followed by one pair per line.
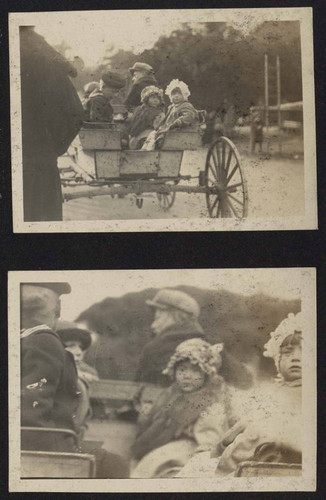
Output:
x,y
163,120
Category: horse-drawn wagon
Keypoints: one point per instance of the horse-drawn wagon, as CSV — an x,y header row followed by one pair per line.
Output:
x,y
116,170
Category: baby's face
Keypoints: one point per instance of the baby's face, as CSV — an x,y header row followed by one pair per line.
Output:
x,y
189,377
290,362
154,101
176,97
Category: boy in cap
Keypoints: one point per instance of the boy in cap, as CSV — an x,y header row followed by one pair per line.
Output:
x,y
100,109
142,76
49,391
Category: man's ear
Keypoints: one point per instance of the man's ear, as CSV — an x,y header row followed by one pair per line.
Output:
x,y
57,311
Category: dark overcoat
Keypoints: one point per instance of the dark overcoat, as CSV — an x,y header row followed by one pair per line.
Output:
x,y
157,352
98,107
52,115
133,97
49,390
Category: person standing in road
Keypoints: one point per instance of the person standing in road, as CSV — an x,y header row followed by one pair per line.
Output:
x,y
52,115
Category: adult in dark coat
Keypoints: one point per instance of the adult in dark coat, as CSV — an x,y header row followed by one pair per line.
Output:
x,y
52,115
49,391
175,321
98,105
142,76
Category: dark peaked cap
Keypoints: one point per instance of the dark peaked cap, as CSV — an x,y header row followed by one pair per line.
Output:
x,y
59,287
113,80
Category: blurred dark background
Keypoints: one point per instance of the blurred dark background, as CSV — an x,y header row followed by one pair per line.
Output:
x,y
243,323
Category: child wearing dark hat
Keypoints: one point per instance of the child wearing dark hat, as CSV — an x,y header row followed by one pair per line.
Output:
x,y
175,428
147,117
100,109
77,340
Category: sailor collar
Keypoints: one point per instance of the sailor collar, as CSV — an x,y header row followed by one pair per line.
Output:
x,y
28,331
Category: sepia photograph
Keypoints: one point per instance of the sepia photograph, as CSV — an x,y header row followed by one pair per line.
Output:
x,y
162,380
163,120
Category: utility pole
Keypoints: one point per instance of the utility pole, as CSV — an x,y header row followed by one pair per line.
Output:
x,y
279,118
266,100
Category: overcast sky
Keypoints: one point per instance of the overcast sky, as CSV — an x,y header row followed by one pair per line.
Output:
x,y
89,287
88,33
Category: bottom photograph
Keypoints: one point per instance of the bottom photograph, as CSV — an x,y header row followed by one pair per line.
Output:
x,y
203,379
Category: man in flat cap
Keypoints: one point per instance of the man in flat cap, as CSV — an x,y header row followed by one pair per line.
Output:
x,y
99,107
52,116
142,76
175,320
49,391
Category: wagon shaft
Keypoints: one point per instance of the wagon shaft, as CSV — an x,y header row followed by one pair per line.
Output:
x,y
139,189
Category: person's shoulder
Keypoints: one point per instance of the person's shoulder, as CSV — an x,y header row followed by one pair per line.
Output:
x,y
46,340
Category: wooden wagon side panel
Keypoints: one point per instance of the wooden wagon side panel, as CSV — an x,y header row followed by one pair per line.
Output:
x,y
185,139
107,164
99,139
139,162
170,163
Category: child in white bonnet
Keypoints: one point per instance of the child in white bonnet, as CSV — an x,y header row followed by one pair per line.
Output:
x,y
274,419
181,114
269,425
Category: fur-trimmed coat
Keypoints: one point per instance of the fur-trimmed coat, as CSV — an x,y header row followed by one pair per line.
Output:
x,y
181,115
178,415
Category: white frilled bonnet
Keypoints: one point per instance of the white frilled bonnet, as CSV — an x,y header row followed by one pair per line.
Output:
x,y
290,325
199,353
177,84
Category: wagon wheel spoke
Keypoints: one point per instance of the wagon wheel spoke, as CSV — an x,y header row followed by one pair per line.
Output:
x,y
223,172
213,172
235,199
232,173
225,211
219,211
216,203
228,162
231,207
218,152
216,164
233,186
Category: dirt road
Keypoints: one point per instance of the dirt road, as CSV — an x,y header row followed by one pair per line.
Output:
x,y
276,189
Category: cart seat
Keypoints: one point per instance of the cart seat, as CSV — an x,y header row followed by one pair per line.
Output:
x,y
261,469
50,464
183,139
100,136
53,464
188,138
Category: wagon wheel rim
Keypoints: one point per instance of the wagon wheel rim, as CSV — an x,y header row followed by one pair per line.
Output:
x,y
166,200
224,176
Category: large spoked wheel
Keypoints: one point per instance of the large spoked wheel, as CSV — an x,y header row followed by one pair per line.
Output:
x,y
227,193
166,199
